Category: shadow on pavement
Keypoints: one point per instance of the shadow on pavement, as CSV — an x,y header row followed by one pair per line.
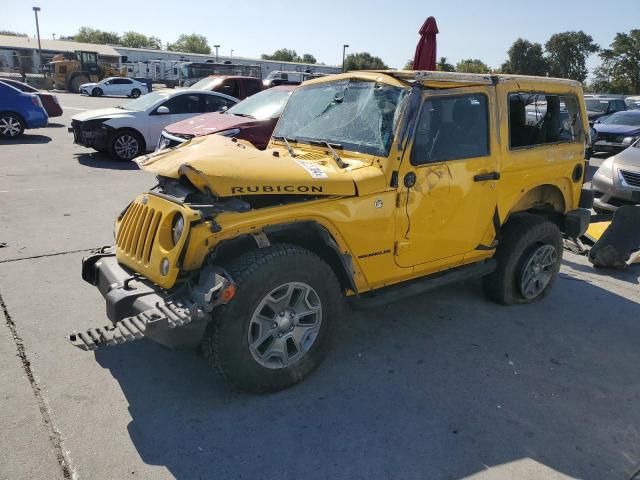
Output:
x,y
411,391
102,160
55,125
26,139
631,274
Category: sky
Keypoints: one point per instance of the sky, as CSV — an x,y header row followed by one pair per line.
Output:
x,y
388,29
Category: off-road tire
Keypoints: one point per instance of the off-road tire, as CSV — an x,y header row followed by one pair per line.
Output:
x,y
135,93
523,234
225,343
11,125
76,82
114,149
96,92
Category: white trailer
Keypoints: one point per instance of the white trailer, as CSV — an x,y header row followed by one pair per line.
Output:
x,y
166,72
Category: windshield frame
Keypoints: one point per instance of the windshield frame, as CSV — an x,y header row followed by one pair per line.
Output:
x,y
403,93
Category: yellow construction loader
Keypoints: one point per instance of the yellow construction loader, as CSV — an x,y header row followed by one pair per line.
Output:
x,y
71,69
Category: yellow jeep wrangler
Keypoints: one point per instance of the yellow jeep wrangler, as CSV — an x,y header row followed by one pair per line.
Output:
x,y
375,186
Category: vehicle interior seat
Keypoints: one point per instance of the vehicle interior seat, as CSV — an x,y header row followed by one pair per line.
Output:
x,y
520,133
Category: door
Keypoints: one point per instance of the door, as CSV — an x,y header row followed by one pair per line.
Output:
x,y
181,107
447,182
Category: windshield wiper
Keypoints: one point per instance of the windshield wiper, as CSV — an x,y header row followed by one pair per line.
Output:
x,y
331,147
243,115
286,142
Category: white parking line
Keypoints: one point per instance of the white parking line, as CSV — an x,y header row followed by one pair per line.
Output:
x,y
73,108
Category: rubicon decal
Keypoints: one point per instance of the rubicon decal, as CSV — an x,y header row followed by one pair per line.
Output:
x,y
277,189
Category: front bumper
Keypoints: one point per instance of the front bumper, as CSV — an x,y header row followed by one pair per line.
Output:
x,y
610,147
139,308
612,193
92,136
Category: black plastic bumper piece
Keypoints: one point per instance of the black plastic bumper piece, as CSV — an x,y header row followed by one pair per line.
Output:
x,y
576,222
137,308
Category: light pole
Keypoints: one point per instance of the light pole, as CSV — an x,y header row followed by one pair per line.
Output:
x,y
36,10
344,50
232,53
216,47
54,36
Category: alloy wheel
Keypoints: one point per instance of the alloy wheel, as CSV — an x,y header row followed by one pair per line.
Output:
x,y
126,146
285,325
538,271
9,126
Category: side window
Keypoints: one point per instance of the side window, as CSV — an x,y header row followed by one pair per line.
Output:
x,y
539,119
183,104
213,103
452,128
252,87
230,87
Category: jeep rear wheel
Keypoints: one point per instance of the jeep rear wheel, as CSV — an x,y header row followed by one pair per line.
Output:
x,y
279,326
529,256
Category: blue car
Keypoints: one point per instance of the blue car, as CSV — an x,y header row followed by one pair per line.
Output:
x,y
18,111
616,132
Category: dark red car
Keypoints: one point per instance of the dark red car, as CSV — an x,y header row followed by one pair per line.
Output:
x,y
49,100
252,119
232,85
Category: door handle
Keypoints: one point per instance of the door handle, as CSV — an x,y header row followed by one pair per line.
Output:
x,y
483,177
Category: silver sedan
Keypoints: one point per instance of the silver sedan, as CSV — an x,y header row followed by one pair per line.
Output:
x,y
617,181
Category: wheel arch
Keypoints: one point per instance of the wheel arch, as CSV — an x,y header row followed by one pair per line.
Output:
x,y
307,234
547,198
17,114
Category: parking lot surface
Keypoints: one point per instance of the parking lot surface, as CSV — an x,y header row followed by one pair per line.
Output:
x,y
441,386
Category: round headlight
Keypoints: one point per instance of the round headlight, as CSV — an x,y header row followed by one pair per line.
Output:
x,y
177,228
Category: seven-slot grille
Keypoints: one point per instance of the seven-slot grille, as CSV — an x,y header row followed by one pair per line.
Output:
x,y
632,178
137,232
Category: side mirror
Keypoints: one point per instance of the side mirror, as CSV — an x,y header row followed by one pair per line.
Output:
x,y
598,121
223,109
162,110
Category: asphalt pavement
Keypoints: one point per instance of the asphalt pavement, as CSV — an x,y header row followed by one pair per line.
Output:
x,y
442,386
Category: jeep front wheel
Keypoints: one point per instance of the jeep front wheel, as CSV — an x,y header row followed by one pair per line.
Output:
x,y
529,255
279,326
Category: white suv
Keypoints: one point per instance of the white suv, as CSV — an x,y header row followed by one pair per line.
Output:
x,y
115,86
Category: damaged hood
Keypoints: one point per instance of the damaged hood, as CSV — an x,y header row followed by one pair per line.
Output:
x,y
102,113
237,168
208,123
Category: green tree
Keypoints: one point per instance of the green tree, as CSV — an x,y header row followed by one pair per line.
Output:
x,y
621,63
408,65
92,35
282,55
308,58
525,58
363,61
288,55
192,43
444,66
567,54
12,34
139,40
472,65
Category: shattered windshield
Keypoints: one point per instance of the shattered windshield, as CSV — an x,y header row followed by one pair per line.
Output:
x,y
358,115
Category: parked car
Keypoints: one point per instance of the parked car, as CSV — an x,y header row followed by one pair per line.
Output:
x,y
278,77
376,186
128,131
49,100
602,106
617,181
234,86
252,119
115,86
19,111
617,132
633,103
